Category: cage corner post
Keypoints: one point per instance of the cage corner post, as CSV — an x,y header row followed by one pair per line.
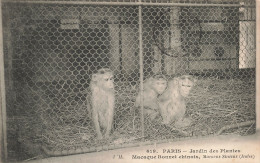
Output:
x,y
141,66
257,66
3,130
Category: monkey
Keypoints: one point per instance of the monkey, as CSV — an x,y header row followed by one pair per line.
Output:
x,y
101,101
172,104
153,87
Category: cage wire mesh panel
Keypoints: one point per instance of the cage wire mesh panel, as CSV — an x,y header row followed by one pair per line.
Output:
x,y
51,51
59,47
205,42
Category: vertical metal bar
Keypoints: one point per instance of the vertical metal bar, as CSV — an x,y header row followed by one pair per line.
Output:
x,y
120,50
163,56
257,67
3,131
238,44
141,65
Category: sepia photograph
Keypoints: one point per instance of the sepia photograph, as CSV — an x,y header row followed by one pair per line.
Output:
x,y
129,81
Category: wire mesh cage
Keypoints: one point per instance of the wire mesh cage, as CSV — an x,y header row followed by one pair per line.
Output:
x,y
53,49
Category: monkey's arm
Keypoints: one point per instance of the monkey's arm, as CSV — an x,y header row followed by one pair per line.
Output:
x,y
110,115
163,109
92,113
96,122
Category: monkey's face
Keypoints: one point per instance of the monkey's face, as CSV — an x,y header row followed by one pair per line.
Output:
x,y
160,85
185,86
108,81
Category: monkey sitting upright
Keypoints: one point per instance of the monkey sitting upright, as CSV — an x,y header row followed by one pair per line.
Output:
x,y
101,101
172,102
153,87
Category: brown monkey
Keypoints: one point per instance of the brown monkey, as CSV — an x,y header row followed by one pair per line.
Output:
x,y
153,87
101,101
172,101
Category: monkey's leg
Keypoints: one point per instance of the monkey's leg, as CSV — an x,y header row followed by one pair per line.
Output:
x,y
166,113
96,124
110,117
151,113
182,122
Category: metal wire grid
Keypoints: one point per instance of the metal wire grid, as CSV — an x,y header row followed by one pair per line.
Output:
x,y
52,50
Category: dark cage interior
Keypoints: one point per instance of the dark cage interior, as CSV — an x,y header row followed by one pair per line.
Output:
x,y
51,52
